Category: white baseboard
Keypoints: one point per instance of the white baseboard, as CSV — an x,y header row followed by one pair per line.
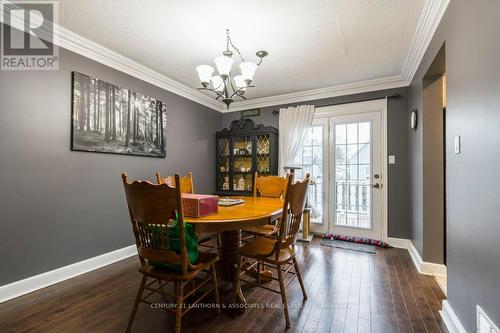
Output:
x,y
46,279
430,268
450,319
400,243
423,267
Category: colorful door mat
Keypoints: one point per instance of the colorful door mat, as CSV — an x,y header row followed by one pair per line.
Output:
x,y
348,245
359,240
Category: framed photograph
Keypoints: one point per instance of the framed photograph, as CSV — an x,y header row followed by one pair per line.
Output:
x,y
110,119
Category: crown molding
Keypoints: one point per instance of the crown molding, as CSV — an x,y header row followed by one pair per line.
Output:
x,y
388,82
87,48
427,24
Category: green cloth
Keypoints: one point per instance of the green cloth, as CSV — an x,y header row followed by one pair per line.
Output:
x,y
173,233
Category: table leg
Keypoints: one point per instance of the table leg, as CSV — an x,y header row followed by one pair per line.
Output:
x,y
231,241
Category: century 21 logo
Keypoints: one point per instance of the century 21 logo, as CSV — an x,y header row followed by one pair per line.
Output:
x,y
29,29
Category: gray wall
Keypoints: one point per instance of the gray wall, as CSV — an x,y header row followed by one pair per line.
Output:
x,y
470,30
433,175
425,144
58,206
397,120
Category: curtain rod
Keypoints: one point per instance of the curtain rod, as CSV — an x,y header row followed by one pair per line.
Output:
x,y
394,96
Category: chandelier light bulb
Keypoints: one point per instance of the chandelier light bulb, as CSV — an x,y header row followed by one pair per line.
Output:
x,y
223,64
205,74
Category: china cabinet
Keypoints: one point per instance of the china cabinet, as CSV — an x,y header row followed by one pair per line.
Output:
x,y
243,149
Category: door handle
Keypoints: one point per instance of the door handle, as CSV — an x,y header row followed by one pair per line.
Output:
x,y
377,185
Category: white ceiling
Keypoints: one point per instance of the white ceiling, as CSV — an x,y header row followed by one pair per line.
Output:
x,y
311,44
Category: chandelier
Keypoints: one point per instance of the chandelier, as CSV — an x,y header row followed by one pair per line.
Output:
x,y
226,86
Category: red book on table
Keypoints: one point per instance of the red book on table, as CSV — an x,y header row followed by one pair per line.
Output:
x,y
197,205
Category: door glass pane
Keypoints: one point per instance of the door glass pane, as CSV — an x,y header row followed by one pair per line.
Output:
x,y
352,154
340,133
340,154
353,158
311,160
364,153
352,133
364,132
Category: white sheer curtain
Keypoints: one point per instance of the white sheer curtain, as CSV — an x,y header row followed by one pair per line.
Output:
x,y
294,123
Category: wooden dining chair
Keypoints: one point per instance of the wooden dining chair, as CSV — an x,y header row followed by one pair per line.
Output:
x,y
206,240
270,187
278,253
187,184
153,208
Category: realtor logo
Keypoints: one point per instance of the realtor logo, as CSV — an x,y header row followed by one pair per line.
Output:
x,y
27,36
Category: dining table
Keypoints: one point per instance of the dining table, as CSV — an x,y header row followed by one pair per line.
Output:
x,y
229,221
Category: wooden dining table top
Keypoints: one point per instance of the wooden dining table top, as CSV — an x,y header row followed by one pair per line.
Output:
x,y
253,209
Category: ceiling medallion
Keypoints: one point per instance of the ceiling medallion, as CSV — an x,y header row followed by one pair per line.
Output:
x,y
225,85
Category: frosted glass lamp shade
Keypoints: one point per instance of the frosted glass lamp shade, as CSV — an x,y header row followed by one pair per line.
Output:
x,y
223,64
205,74
248,69
239,81
218,83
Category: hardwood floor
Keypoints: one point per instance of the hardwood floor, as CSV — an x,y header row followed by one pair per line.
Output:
x,y
348,292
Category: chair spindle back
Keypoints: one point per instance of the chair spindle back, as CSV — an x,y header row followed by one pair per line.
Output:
x,y
187,185
153,208
269,186
293,208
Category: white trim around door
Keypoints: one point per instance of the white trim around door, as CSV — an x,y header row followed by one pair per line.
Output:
x,y
379,105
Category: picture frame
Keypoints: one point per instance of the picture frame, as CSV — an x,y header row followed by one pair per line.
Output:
x,y
106,118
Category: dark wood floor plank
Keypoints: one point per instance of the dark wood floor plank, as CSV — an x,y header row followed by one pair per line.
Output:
x,y
348,291
402,315
412,306
383,312
419,293
338,263
323,304
342,295
364,316
300,312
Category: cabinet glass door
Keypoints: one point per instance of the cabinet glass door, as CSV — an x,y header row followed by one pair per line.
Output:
x,y
242,164
223,164
262,157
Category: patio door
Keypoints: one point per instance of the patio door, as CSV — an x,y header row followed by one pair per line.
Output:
x,y
344,153
356,178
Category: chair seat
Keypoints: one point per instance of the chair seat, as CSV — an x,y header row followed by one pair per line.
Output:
x,y
260,248
204,260
264,230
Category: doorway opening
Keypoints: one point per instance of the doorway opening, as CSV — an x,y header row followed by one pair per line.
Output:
x,y
434,103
